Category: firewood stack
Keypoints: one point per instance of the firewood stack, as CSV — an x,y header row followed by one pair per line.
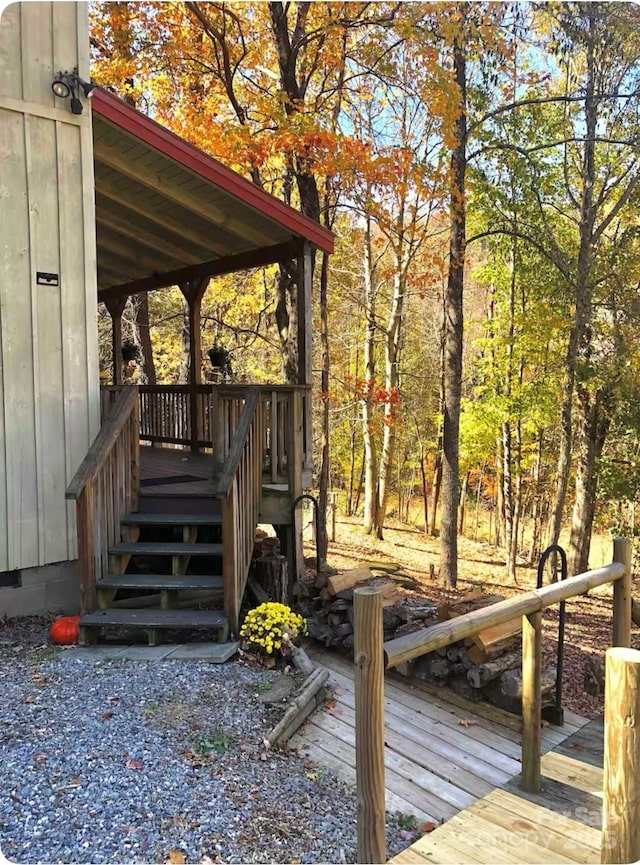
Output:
x,y
326,601
485,667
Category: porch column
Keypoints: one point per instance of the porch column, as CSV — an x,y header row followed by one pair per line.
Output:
x,y
115,309
193,293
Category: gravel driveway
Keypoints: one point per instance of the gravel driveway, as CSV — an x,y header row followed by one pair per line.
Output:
x,y
125,761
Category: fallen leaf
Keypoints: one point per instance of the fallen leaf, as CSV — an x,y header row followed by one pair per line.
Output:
x,y
340,691
578,746
428,826
309,764
333,710
30,700
266,744
466,722
312,776
114,699
133,764
106,715
176,857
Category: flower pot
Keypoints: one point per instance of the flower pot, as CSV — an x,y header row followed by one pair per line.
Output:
x,y
219,357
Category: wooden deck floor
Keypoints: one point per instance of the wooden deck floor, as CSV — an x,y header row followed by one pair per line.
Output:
x,y
443,754
167,462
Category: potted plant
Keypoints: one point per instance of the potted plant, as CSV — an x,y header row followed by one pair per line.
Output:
x,y
129,352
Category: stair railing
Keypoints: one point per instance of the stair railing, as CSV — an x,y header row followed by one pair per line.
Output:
x,y
239,486
105,488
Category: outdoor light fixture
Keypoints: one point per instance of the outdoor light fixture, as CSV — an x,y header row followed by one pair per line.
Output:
x,y
67,84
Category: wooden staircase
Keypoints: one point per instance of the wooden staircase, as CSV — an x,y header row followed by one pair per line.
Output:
x,y
174,559
166,543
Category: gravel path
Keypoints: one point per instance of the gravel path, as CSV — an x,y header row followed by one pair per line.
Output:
x,y
124,761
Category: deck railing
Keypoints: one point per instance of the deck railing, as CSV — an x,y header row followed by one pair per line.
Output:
x,y
167,412
528,605
105,488
239,487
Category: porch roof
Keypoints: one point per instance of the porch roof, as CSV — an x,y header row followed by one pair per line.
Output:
x,y
166,213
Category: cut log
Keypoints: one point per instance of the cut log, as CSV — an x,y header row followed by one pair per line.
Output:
x,y
480,655
348,580
271,572
511,682
484,673
390,594
310,696
490,636
301,660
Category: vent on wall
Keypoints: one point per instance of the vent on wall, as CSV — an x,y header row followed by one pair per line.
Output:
x,y
10,579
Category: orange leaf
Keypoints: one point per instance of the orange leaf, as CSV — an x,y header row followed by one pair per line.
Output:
x,y
176,857
427,827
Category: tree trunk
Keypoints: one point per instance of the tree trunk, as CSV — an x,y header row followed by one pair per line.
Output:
x,y
595,418
323,483
425,498
577,345
368,431
142,337
453,331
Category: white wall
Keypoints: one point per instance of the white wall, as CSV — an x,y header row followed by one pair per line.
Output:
x,y
49,389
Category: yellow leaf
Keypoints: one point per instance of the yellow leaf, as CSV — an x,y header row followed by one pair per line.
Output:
x,y
312,776
176,857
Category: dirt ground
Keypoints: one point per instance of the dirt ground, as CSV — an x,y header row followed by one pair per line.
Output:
x,y
588,618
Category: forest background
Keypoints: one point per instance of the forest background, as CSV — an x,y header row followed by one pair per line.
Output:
x,y
477,326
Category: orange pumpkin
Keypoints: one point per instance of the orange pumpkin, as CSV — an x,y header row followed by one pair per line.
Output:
x,y
64,631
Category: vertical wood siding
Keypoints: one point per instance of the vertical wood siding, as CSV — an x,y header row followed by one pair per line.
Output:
x,y
49,392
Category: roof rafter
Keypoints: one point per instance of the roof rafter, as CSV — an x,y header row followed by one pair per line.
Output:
x,y
219,266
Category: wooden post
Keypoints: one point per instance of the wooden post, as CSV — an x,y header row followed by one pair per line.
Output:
x,y
193,293
531,700
369,693
115,308
621,793
622,594
86,550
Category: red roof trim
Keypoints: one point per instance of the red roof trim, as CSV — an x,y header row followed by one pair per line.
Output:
x,y
152,133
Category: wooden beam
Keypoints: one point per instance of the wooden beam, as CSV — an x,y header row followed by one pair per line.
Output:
x,y
217,267
115,309
621,793
133,231
622,607
369,700
418,643
531,700
127,250
172,190
160,218
193,293
305,319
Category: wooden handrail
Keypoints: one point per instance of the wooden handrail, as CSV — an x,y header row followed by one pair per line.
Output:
x,y
115,422
237,444
418,643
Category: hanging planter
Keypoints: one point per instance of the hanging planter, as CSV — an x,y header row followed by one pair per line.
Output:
x,y
220,358
129,352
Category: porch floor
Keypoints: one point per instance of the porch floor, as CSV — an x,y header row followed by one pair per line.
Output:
x,y
171,464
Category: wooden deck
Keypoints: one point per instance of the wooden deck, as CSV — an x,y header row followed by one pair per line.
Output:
x,y
443,754
167,462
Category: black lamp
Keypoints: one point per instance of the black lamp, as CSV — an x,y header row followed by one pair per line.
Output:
x,y
67,84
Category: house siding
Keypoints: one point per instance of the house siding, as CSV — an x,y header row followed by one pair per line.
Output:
x,y
49,388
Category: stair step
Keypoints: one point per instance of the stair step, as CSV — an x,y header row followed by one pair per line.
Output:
x,y
153,548
160,581
213,619
140,519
